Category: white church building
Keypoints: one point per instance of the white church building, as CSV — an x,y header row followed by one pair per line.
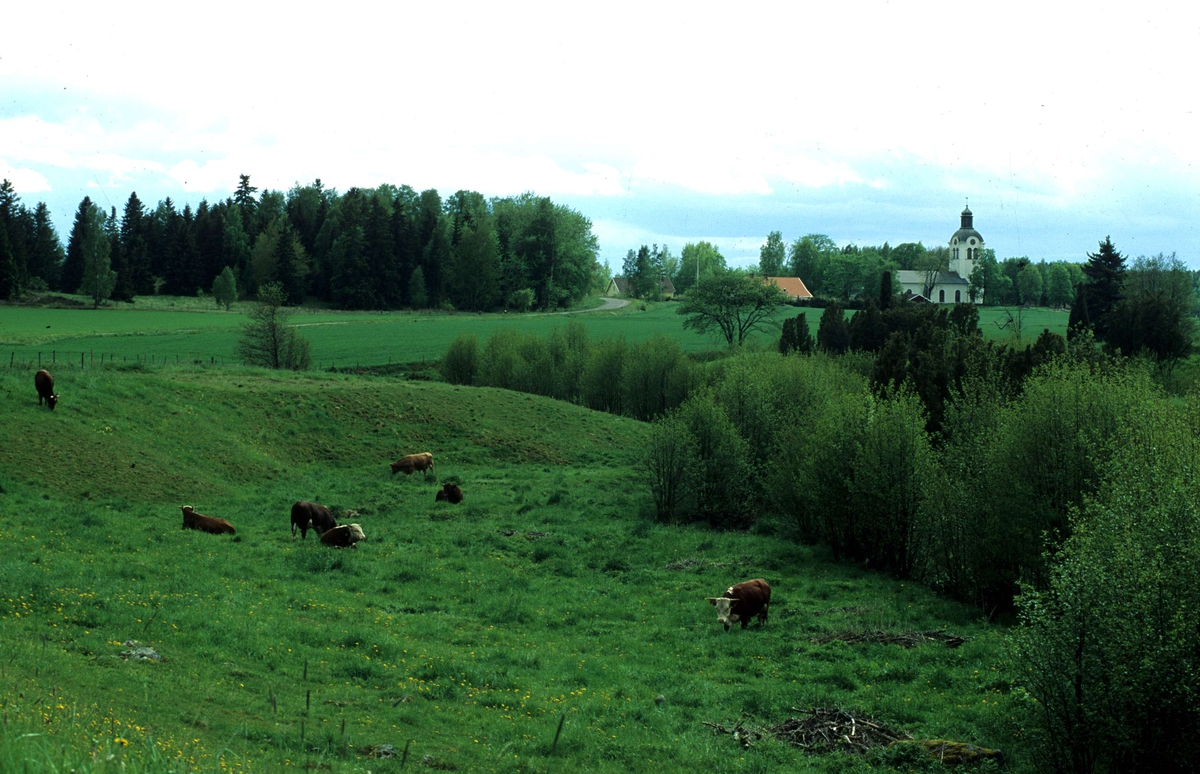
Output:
x,y
947,287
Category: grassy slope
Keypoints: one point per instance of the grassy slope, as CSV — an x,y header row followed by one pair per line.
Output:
x,y
356,338
469,630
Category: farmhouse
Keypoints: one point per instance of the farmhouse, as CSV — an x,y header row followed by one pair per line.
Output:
x,y
618,287
792,287
948,287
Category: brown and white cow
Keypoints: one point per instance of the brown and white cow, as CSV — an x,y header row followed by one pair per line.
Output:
x,y
44,383
193,520
345,536
742,602
305,514
449,492
411,463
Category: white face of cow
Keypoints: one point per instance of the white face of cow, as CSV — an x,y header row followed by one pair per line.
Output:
x,y
724,614
356,533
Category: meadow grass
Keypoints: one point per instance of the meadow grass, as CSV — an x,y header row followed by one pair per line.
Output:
x,y
466,632
161,333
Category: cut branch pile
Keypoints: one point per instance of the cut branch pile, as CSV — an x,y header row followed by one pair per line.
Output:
x,y
904,639
819,730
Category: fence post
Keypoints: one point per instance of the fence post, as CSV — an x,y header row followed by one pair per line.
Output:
x,y
39,358
92,357
81,360
53,356
11,358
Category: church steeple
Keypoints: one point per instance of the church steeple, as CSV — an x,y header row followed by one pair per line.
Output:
x,y
965,245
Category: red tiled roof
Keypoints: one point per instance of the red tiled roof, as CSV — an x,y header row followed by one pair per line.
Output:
x,y
792,286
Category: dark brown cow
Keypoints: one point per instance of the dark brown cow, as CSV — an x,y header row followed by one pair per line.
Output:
x,y
305,513
449,492
193,520
45,387
742,602
411,463
345,536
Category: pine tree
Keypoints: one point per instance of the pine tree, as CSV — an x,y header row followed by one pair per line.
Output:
x,y
72,269
1105,271
1079,320
887,296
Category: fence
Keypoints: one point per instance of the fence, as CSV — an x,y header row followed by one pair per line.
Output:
x,y
89,359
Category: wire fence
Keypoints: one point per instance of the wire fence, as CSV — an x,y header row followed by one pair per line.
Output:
x,y
91,359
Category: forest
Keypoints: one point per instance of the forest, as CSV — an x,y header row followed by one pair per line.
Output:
x,y
383,248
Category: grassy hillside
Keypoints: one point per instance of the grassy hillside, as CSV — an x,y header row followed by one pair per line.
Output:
x,y
468,633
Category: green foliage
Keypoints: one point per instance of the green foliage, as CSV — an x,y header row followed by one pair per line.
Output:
x,y
418,295
267,339
1109,647
771,255
796,336
1105,271
98,279
697,261
833,335
731,304
522,300
1029,285
462,360
224,288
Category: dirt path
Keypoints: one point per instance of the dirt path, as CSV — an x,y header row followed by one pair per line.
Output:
x,y
608,305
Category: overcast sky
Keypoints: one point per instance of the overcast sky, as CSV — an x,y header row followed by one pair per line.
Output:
x,y
664,123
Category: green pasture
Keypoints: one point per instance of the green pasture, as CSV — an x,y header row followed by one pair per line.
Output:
x,y
198,331
546,624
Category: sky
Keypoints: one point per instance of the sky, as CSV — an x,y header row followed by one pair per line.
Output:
x,y
664,123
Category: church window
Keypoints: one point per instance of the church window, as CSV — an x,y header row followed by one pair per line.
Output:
x,y
941,296
958,296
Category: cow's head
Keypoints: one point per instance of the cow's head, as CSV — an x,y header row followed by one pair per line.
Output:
x,y
725,614
51,401
356,533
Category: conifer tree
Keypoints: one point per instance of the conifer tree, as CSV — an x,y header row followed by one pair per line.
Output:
x,y
1105,271
833,335
1079,319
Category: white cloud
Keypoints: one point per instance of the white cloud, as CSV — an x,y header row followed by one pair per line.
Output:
x,y
25,181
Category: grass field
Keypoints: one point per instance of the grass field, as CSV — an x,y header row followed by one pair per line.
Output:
x,y
195,330
544,625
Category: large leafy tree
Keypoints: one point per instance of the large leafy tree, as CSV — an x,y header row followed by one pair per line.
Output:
x,y
98,278
771,255
698,260
1058,286
474,267
809,255
1105,272
731,303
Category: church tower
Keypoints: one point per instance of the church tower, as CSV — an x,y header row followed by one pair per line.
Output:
x,y
965,246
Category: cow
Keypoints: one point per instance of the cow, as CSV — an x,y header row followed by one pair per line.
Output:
x,y
449,492
411,463
305,513
193,520
742,602
345,536
45,388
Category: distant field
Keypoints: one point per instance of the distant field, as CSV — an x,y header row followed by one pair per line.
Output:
x,y
190,329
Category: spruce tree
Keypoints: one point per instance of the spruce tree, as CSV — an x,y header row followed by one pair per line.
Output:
x,y
833,335
1105,271
6,264
886,295
1079,320
72,268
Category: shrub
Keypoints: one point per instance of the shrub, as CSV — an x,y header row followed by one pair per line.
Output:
x,y
1111,648
462,360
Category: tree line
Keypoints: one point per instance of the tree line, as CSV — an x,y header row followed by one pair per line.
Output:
x,y
381,248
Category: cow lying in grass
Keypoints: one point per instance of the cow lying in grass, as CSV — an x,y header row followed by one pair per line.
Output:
x,y
193,520
742,602
411,463
305,514
449,492
345,536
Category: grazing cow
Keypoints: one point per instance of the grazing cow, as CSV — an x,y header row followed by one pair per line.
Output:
x,y
305,513
742,602
411,463
345,536
449,492
45,387
193,520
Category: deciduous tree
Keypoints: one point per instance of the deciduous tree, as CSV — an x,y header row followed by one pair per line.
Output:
x,y
731,303
267,339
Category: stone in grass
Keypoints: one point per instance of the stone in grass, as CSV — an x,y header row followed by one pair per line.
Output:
x,y
137,652
378,751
